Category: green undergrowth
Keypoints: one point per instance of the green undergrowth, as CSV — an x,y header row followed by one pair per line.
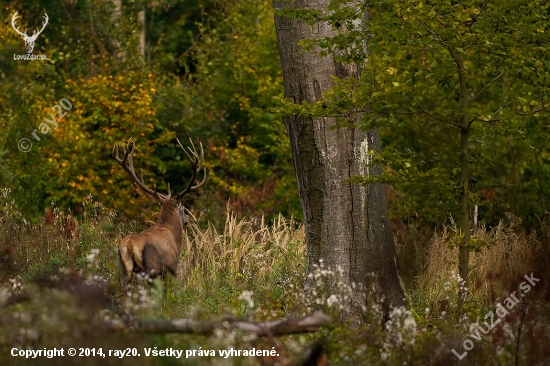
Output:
x,y
59,281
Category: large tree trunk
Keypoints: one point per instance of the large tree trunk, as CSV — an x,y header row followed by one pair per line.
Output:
x,y
344,222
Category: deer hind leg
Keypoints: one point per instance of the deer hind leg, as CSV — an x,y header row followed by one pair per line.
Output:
x,y
152,261
153,267
172,268
126,266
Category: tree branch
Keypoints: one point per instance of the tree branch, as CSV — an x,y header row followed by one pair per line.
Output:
x,y
474,21
306,324
440,40
431,114
492,120
488,85
16,299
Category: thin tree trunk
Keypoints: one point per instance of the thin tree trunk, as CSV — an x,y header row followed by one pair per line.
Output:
x,y
117,14
345,223
142,24
464,249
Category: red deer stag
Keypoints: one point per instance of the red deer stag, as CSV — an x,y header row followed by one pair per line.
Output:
x,y
156,250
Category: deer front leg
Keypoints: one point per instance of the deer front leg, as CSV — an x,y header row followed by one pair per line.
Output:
x,y
164,279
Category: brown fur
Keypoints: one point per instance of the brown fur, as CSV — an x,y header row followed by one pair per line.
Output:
x,y
156,249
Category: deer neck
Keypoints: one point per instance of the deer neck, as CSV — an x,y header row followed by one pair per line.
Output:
x,y
168,217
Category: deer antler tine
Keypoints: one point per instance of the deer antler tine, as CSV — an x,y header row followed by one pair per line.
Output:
x,y
201,183
185,151
128,151
198,162
128,164
194,152
169,193
130,161
201,161
197,165
13,19
115,151
43,25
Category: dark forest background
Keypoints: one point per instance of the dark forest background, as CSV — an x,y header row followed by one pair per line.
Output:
x,y
210,71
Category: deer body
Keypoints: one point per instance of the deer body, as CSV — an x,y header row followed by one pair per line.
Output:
x,y
156,250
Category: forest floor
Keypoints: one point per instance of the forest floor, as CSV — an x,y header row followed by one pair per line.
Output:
x,y
59,282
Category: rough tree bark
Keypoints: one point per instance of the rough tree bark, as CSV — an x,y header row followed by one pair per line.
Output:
x,y
345,224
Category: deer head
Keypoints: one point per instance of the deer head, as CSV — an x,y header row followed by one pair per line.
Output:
x,y
29,40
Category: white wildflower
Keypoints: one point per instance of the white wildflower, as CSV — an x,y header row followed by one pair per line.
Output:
x,y
246,296
92,257
332,300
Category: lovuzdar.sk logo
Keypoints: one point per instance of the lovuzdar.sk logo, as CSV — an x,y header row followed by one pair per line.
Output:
x,y
29,40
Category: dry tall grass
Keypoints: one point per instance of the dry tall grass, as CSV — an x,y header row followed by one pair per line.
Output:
x,y
248,255
208,252
507,255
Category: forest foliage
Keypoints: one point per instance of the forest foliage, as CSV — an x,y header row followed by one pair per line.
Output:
x,y
210,73
410,57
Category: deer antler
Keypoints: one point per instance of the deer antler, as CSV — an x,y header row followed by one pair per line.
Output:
x,y
34,35
29,40
128,164
13,19
197,165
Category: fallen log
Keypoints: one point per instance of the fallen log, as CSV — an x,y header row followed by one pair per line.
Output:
x,y
306,324
15,299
